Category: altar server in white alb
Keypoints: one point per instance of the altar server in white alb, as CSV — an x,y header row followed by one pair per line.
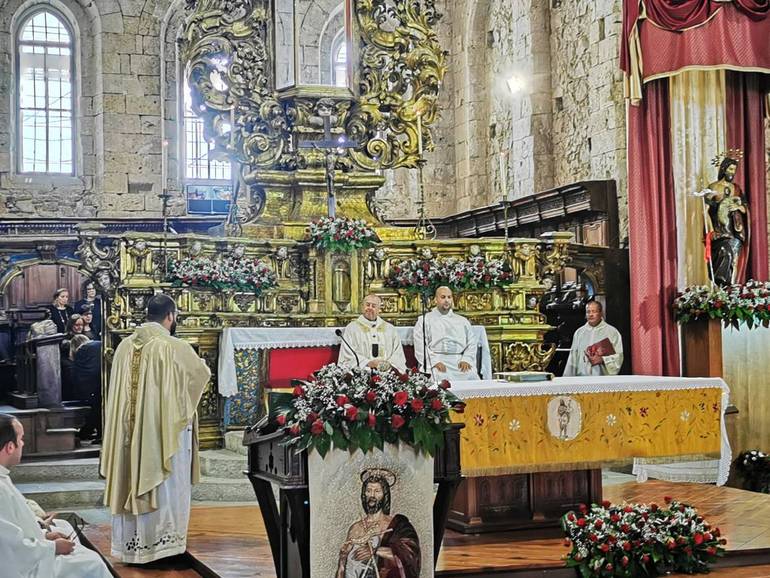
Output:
x,y
375,341
450,343
597,348
26,549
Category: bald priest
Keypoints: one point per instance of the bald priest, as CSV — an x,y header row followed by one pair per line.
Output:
x,y
370,341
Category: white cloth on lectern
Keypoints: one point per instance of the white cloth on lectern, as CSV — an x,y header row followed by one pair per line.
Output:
x,y
362,334
162,532
24,550
449,340
578,362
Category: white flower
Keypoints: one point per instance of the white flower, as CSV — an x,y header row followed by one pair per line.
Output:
x,y
685,415
611,420
514,425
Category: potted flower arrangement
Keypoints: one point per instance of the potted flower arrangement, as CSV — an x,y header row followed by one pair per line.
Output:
x,y
341,235
640,540
754,467
228,273
353,408
734,305
425,275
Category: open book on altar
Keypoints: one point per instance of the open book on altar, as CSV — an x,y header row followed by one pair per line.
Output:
x,y
524,376
602,348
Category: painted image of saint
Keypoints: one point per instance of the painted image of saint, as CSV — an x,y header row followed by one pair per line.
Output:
x,y
379,545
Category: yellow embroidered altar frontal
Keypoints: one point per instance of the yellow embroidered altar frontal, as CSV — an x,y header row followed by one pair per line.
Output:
x,y
526,431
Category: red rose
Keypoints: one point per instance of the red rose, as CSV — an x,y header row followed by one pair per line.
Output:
x,y
628,509
711,550
624,560
608,567
371,396
571,517
436,405
371,420
403,377
445,384
351,413
280,419
397,421
298,391
614,518
567,542
653,507
593,538
376,379
581,522
606,504
698,539
598,524
417,405
312,416
645,558
667,499
459,408
342,400
604,548
400,398
708,537
627,546
317,427
583,508
294,430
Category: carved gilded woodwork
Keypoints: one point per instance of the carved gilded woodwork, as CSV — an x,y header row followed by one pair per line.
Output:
x,y
528,356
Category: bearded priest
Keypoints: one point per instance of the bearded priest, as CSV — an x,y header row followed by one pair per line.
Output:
x,y
370,341
150,451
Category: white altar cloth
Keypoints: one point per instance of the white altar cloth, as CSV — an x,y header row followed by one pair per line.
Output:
x,y
286,337
706,471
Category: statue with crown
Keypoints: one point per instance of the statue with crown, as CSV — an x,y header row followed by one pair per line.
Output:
x,y
727,223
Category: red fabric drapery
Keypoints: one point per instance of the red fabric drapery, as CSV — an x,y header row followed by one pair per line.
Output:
x,y
745,110
652,234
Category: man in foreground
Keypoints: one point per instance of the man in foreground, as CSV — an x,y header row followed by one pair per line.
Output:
x,y
597,348
447,340
26,549
150,451
374,341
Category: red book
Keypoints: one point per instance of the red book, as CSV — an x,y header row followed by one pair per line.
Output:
x,y
602,348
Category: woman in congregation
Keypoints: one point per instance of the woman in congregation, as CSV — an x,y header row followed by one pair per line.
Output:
x,y
86,356
89,290
74,329
60,310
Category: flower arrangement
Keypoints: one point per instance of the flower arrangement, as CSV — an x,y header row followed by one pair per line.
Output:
x,y
734,305
640,540
355,408
228,273
754,467
341,235
426,275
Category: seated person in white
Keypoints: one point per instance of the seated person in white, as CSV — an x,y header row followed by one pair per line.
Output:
x,y
26,549
584,358
450,343
375,341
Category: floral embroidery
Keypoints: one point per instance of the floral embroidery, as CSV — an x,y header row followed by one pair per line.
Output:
x,y
685,415
611,420
478,419
514,425
643,411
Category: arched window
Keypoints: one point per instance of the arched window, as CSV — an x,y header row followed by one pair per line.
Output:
x,y
340,60
207,181
45,72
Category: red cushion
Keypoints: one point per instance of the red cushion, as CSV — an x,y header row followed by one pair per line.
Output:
x,y
283,365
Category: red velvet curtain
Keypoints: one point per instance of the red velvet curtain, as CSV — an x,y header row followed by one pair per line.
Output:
x,y
745,109
652,234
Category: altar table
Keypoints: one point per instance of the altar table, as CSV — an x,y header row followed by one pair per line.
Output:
x,y
266,338
614,419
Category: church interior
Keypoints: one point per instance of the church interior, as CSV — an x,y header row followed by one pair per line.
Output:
x,y
588,180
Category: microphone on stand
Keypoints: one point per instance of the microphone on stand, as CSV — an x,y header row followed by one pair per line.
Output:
x,y
338,333
427,366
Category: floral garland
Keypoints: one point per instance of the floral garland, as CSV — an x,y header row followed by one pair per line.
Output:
x,y
426,275
734,305
355,408
228,273
341,235
754,467
640,540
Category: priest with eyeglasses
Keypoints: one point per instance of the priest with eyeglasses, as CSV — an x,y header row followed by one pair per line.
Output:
x,y
370,341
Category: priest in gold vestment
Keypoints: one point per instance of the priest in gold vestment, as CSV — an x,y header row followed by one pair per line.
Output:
x,y
149,455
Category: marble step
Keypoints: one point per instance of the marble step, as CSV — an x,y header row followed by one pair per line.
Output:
x,y
211,489
64,495
234,442
223,464
86,469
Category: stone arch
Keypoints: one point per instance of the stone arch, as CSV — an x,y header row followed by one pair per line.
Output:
x,y
171,71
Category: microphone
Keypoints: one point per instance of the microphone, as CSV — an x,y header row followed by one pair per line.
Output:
x,y
338,333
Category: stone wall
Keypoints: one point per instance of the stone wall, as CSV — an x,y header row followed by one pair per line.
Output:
x,y
567,123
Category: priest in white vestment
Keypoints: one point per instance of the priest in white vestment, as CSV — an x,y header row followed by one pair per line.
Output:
x,y
589,354
26,549
374,341
449,342
150,447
